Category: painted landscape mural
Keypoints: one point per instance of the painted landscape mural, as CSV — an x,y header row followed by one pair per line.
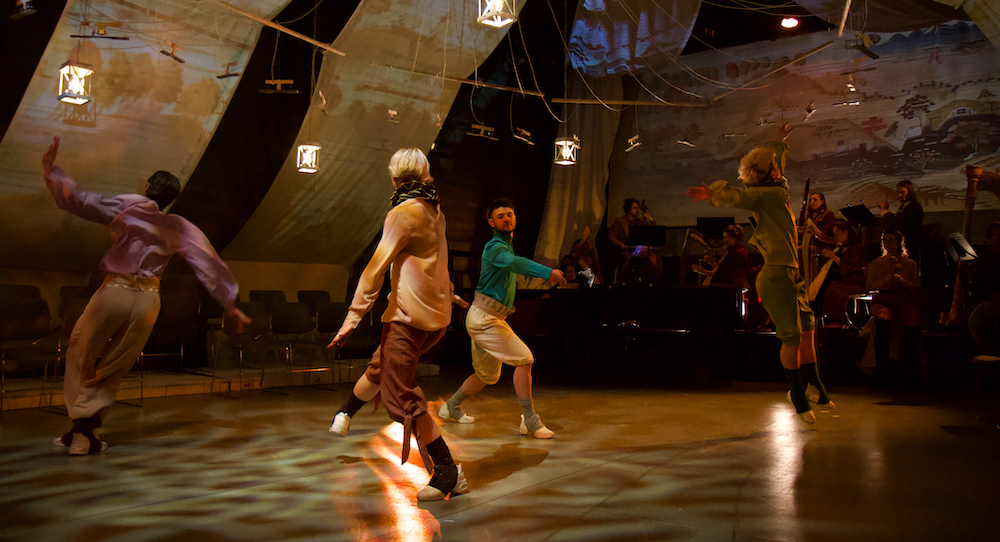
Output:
x,y
924,109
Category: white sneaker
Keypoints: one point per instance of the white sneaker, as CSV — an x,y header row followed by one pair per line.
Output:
x,y
341,422
81,445
541,432
808,416
431,493
813,396
445,414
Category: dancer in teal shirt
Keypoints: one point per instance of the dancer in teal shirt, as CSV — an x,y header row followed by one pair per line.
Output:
x,y
494,343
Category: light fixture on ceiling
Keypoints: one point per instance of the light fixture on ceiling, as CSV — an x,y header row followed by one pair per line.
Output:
x,y
789,22
74,83
566,150
228,73
173,52
307,159
523,135
279,86
633,142
482,131
497,13
850,87
810,110
307,155
852,102
685,142
392,116
100,31
22,8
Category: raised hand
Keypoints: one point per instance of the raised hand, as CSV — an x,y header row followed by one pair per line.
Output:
x,y
699,193
49,158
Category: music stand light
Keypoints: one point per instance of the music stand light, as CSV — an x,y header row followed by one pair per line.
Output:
x,y
959,249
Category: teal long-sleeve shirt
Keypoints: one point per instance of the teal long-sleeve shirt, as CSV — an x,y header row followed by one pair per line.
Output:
x,y
499,267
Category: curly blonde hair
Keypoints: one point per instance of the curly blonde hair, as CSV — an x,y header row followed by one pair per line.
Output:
x,y
756,167
409,164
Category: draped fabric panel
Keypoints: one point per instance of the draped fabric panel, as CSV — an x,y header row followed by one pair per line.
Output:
x,y
883,15
986,15
385,94
149,112
614,36
620,38
576,193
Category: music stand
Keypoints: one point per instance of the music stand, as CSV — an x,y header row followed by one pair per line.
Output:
x,y
651,236
711,227
859,215
959,249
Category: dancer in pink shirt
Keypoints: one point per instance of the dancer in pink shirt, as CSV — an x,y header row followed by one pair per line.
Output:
x,y
113,329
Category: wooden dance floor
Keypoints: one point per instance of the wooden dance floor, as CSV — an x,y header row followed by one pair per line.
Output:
x,y
719,462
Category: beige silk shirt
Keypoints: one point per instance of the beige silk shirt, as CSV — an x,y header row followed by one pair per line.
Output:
x,y
414,244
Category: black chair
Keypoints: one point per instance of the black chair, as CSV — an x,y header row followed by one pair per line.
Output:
x,y
19,291
329,317
24,323
72,309
312,298
243,337
293,325
269,298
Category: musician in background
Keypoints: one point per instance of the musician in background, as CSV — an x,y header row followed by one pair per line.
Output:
x,y
844,275
633,264
984,322
732,270
824,220
908,219
895,309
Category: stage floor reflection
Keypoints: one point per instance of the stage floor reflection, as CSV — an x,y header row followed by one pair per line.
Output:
x,y
720,462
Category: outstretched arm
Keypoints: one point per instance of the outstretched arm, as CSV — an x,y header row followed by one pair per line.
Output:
x,y
699,193
88,206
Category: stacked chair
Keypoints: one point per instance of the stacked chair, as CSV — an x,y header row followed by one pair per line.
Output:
x,y
24,324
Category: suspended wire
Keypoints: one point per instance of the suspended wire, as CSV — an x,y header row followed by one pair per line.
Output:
x,y
565,44
654,72
685,67
303,16
420,35
534,76
274,56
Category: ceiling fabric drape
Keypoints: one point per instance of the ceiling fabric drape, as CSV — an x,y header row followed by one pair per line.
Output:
x,y
610,40
149,112
884,15
385,94
615,36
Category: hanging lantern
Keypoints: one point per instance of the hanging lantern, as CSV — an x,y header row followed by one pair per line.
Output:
x,y
308,158
566,150
74,83
496,13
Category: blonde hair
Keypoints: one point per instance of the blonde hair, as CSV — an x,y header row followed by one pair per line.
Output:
x,y
756,165
409,164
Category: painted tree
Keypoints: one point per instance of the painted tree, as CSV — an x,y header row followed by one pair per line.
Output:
x,y
918,105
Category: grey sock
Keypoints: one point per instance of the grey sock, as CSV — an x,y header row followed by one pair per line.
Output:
x,y
453,404
531,420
